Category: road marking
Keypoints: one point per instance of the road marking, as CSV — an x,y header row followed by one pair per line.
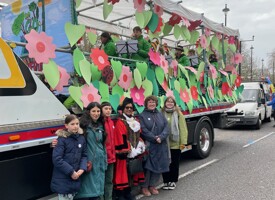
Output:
x,y
185,174
254,141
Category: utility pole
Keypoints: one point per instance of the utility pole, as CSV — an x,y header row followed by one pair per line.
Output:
x,y
262,67
225,10
241,41
251,61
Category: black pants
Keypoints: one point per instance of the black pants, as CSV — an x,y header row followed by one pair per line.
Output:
x,y
90,198
173,174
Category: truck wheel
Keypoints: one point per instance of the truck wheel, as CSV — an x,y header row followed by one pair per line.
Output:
x,y
204,140
259,123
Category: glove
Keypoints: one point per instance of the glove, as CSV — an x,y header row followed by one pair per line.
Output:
x,y
141,146
134,152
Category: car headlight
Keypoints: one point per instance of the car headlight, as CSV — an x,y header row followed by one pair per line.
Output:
x,y
249,113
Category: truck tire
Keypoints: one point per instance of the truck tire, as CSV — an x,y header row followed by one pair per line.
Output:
x,y
204,140
259,123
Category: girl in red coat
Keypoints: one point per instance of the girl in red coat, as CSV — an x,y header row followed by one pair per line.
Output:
x,y
109,127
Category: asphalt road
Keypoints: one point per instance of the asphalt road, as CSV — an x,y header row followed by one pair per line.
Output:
x,y
241,166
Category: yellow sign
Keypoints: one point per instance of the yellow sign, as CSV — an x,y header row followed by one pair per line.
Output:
x,y
10,73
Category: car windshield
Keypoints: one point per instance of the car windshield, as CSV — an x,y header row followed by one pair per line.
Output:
x,y
249,95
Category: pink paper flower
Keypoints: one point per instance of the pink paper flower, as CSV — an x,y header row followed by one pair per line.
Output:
x,y
174,19
219,36
203,41
211,92
40,46
185,21
174,66
64,78
137,95
230,68
207,32
213,71
164,64
191,69
202,77
89,94
170,93
113,1
223,72
154,57
231,40
125,78
225,88
184,95
139,5
99,58
194,92
237,58
194,25
158,10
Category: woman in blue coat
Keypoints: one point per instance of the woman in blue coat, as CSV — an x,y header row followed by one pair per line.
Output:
x,y
92,183
154,128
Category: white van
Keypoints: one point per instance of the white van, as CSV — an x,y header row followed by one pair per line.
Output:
x,y
251,108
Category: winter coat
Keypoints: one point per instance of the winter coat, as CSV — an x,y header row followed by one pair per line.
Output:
x,y
153,123
110,146
69,155
184,60
93,181
272,103
110,48
143,50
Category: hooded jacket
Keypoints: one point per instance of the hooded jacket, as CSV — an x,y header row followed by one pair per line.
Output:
x,y
69,155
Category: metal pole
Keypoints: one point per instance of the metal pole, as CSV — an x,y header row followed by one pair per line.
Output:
x,y
251,62
225,10
262,67
273,71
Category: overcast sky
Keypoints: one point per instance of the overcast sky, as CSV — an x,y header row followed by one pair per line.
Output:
x,y
251,17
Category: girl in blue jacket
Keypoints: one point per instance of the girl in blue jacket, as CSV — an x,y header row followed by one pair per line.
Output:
x,y
69,159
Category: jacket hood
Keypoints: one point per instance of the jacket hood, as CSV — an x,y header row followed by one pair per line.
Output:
x,y
64,133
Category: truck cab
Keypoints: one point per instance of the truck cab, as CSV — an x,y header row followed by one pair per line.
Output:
x,y
251,108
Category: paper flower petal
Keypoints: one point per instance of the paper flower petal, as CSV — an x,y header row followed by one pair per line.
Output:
x,y
186,22
158,10
64,79
164,64
211,92
207,32
170,93
99,58
223,72
238,81
225,88
154,57
174,19
231,40
174,66
137,95
203,41
125,78
192,69
194,92
184,95
89,94
139,5
237,58
113,1
40,46
213,71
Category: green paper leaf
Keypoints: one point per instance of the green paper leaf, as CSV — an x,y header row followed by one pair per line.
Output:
x,y
85,68
140,19
194,37
215,42
177,31
51,73
17,24
151,76
75,93
77,3
225,46
142,67
240,89
177,97
185,33
200,70
159,74
107,9
137,78
190,106
139,108
232,47
148,87
153,23
185,72
114,81
77,57
204,102
182,83
177,85
167,29
199,50
117,67
96,74
74,32
114,101
117,90
104,90
92,38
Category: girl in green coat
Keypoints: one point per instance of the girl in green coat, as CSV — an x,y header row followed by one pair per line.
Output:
x,y
177,139
93,182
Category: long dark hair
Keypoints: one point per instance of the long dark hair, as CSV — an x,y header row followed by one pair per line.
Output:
x,y
86,120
